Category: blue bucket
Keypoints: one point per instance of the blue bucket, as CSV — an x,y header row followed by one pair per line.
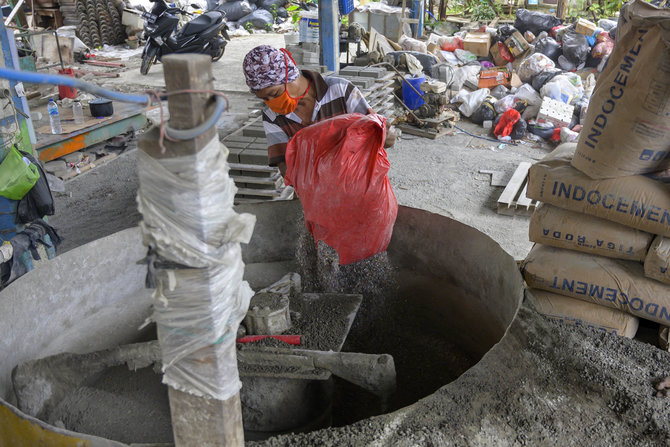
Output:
x,y
409,96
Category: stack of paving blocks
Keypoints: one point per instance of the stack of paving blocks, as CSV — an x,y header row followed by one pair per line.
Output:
x,y
376,84
306,56
248,161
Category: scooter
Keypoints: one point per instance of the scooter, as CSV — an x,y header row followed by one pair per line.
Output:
x,y
205,34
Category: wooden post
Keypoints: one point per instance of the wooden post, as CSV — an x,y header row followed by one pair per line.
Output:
x,y
443,10
196,421
562,9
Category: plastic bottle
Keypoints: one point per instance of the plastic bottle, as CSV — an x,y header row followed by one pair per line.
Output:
x,y
77,112
54,118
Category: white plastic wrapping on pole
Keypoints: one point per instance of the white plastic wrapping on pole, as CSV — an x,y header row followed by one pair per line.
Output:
x,y
187,208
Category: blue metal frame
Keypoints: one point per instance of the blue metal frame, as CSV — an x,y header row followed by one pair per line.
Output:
x,y
417,12
329,33
11,58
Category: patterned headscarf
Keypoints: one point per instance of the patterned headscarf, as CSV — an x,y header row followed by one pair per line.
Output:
x,y
265,66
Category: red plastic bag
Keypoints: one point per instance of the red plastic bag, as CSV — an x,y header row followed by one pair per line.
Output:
x,y
451,43
338,168
505,53
506,123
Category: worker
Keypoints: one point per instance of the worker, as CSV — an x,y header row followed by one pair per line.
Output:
x,y
297,98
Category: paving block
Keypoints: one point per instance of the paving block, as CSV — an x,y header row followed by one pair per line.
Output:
x,y
258,146
234,155
372,72
254,132
311,47
254,157
236,144
239,137
350,71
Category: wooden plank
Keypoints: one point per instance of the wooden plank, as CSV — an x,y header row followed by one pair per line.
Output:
x,y
507,200
523,200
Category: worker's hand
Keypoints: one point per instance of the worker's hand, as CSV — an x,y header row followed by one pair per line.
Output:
x,y
391,136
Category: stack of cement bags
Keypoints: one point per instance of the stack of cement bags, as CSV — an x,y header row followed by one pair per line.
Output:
x,y
603,231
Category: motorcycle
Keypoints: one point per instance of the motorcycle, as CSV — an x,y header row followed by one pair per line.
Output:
x,y
205,34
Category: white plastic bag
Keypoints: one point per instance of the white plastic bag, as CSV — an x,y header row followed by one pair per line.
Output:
x,y
527,93
410,44
470,101
566,87
504,104
467,73
532,65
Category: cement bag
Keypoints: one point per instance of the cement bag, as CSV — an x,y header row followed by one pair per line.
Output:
x,y
634,201
608,282
339,168
627,126
658,260
561,228
580,313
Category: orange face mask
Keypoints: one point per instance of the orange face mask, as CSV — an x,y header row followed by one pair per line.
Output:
x,y
285,103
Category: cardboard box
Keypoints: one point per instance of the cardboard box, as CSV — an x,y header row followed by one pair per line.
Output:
x,y
493,78
477,43
516,44
583,26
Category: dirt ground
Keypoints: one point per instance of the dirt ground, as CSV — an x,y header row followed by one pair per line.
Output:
x,y
545,383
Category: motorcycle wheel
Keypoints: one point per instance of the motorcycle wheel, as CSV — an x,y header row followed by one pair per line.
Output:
x,y
148,58
219,54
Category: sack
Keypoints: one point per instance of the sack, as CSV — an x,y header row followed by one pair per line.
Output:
x,y
39,201
470,101
561,228
535,22
582,314
634,201
533,65
410,44
657,262
339,168
236,10
608,282
16,176
627,130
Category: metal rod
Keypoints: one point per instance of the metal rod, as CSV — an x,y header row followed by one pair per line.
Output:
x,y
11,15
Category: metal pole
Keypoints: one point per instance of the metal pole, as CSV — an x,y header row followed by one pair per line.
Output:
x,y
196,421
329,34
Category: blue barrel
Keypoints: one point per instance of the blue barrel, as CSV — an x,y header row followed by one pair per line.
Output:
x,y
409,96
8,222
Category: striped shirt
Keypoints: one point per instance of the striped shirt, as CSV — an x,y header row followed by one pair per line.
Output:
x,y
334,96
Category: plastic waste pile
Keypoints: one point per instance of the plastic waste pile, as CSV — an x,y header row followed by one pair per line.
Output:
x,y
532,79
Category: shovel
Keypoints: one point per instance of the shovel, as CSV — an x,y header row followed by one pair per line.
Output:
x,y
372,372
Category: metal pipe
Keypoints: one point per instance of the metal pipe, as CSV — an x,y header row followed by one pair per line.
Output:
x,y
13,13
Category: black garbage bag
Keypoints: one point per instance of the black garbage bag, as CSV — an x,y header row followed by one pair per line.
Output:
x,y
535,22
282,13
267,4
519,130
485,112
593,62
549,47
504,32
260,18
520,106
542,130
544,76
575,47
236,10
